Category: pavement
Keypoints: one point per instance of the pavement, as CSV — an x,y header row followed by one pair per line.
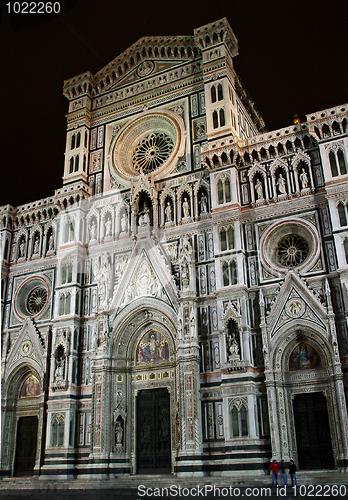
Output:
x,y
319,484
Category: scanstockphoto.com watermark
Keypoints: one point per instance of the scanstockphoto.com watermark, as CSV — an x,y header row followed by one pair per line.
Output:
x,y
213,491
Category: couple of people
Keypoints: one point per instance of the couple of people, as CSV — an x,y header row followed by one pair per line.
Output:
x,y
275,468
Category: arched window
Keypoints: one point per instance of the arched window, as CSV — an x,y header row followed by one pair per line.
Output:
x,y
57,437
223,240
233,271
77,160
69,273
213,93
220,92
220,192
215,120
230,237
224,190
333,164
222,117
229,273
67,303
86,138
225,274
239,417
342,214
341,162
61,304
84,163
63,274
226,238
71,166
227,190
345,244
78,140
73,139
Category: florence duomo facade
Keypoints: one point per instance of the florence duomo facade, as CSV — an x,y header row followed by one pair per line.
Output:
x,y
179,304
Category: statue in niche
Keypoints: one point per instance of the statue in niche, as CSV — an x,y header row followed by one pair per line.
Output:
x,y
51,242
93,231
118,433
144,217
21,248
123,223
168,212
203,203
59,371
185,260
108,227
259,189
281,184
304,179
36,245
233,348
186,208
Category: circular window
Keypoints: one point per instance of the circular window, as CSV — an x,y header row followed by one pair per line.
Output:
x,y
152,152
292,250
37,300
32,297
292,244
150,144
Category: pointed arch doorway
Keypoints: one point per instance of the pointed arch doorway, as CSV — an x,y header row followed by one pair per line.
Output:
x,y
153,439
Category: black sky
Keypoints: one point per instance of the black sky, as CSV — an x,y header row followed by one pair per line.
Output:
x,y
293,59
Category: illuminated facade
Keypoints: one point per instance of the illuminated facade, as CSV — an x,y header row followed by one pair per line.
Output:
x,y
179,305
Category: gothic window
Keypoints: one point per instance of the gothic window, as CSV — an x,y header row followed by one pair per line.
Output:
x,y
57,437
222,118
213,93
229,273
342,214
215,120
77,160
345,244
78,140
71,166
239,416
86,138
341,162
68,230
226,238
337,163
66,273
224,190
220,92
84,163
73,141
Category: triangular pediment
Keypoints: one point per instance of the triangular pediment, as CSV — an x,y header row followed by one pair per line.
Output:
x,y
147,275
295,304
28,347
145,58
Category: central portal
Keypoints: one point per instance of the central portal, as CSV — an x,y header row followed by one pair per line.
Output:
x,y
313,431
153,432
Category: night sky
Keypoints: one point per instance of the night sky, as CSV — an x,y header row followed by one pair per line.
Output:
x,y
293,59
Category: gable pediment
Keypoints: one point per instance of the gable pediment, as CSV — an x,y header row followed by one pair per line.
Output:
x,y
295,304
147,275
29,346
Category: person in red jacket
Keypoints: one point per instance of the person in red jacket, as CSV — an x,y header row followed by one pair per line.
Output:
x,y
274,468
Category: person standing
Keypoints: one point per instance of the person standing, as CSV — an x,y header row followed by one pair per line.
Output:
x,y
292,472
274,469
283,472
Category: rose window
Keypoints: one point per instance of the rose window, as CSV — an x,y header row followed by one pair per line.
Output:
x,y
37,299
152,152
292,250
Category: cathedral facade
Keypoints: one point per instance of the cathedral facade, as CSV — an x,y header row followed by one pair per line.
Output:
x,y
179,304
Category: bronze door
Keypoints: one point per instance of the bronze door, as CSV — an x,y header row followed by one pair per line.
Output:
x,y
313,431
153,432
26,446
